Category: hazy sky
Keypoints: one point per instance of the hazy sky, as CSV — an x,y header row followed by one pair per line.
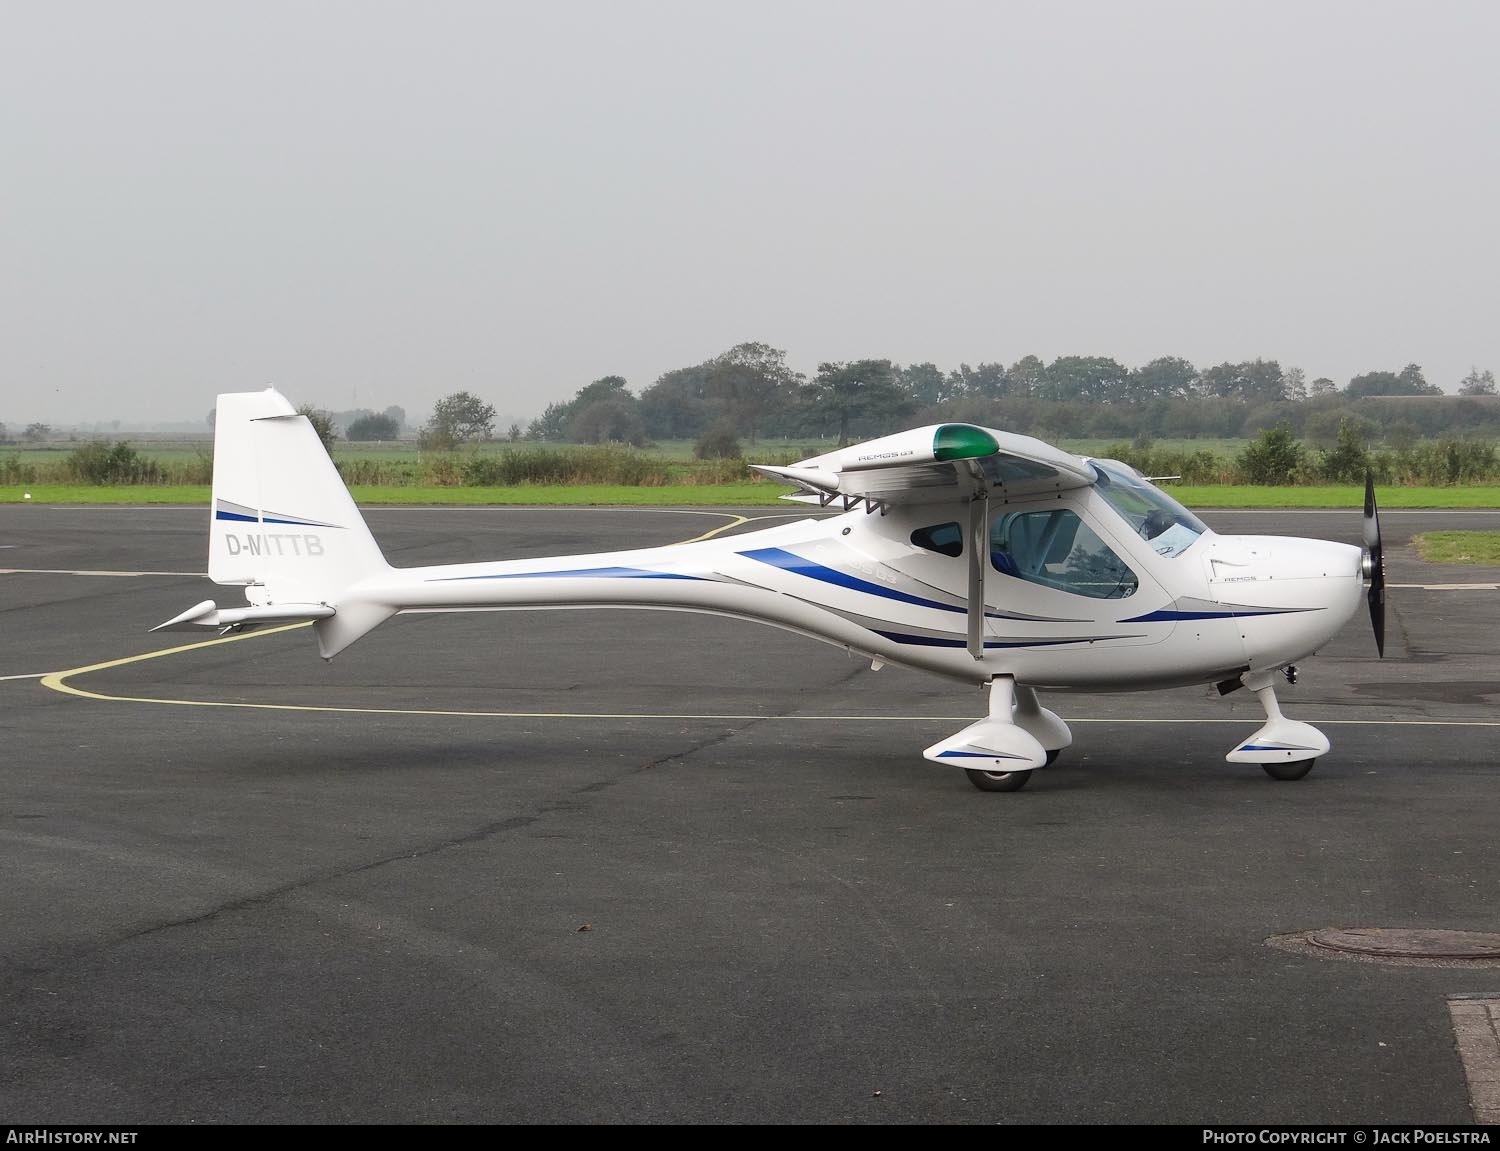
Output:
x,y
381,203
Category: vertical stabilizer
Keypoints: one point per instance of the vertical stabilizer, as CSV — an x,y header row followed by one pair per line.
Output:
x,y
282,517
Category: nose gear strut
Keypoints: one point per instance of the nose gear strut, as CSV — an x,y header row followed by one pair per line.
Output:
x,y
1286,748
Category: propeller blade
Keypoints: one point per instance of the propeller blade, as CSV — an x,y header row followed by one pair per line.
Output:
x,y
1374,565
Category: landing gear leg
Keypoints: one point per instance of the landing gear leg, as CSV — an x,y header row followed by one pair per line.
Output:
x,y
1285,748
1048,729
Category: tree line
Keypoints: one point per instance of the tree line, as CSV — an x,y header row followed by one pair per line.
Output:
x,y
749,392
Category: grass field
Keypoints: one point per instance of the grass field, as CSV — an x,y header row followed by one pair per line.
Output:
x,y
747,495
1340,496
579,495
1458,547
522,495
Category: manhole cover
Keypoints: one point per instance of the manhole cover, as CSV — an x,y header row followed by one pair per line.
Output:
x,y
1402,943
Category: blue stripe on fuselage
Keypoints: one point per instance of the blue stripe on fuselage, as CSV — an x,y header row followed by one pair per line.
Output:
x,y
798,565
941,641
1167,615
576,573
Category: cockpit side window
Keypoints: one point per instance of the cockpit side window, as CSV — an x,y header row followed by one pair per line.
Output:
x,y
1056,549
945,539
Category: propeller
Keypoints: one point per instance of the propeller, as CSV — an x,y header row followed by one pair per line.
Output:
x,y
1374,565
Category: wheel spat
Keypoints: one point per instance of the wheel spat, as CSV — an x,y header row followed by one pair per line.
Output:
x,y
1374,565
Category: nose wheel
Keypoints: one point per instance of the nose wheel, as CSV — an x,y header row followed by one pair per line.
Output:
x,y
1293,770
998,780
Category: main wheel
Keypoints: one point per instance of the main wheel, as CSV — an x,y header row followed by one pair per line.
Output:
x,y
997,780
1296,769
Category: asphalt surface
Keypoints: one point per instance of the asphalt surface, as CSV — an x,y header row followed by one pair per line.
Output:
x,y
214,914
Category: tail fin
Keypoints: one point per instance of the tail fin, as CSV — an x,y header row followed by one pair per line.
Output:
x,y
282,517
284,525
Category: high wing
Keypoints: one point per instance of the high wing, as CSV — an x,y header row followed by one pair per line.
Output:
x,y
936,464
943,463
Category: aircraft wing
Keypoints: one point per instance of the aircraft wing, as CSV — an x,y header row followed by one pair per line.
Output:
x,y
934,464
944,463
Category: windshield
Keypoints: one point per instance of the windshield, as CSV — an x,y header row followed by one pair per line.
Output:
x,y
1156,517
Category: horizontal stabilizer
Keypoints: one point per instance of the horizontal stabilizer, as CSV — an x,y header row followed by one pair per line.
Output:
x,y
209,615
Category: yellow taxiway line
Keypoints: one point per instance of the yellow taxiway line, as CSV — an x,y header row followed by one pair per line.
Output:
x,y
57,680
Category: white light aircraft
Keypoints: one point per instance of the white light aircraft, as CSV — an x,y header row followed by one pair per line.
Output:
x,y
990,558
